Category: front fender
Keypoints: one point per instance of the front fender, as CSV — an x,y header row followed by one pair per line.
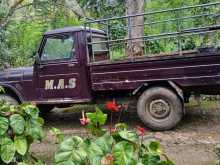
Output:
x,y
13,90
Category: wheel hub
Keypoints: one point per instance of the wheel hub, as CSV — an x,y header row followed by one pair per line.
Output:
x,y
159,109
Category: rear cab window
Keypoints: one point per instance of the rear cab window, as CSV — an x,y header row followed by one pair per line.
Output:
x,y
98,48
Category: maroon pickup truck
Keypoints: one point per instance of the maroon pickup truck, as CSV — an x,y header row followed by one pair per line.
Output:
x,y
64,74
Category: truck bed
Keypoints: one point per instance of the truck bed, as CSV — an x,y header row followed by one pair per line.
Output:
x,y
194,70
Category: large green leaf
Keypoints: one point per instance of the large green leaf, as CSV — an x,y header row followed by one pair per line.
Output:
x,y
7,151
71,152
121,126
3,125
31,110
150,159
154,147
123,153
164,162
21,145
22,163
98,117
34,129
128,135
57,133
94,152
105,143
17,123
40,120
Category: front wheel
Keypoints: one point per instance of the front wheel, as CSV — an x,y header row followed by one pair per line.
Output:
x,y
160,108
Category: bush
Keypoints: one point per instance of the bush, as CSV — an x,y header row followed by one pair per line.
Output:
x,y
114,146
20,126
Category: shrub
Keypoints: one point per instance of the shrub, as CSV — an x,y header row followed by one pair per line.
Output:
x,y
114,146
20,126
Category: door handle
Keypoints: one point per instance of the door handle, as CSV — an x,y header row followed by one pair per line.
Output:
x,y
71,64
41,66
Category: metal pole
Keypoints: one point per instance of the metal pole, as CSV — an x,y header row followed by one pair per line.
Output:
x,y
179,38
90,32
109,38
158,12
129,35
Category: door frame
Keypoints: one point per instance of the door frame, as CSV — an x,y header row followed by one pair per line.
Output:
x,y
72,60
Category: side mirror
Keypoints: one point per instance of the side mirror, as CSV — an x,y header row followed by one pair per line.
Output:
x,y
37,59
33,54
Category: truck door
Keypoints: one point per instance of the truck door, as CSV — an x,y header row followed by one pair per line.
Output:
x,y
59,71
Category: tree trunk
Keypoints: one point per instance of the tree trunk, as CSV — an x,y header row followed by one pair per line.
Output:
x,y
135,47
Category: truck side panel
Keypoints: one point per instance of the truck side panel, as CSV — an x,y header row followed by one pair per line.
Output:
x,y
191,71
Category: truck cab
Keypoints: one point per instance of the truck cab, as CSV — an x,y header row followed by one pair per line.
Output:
x,y
60,74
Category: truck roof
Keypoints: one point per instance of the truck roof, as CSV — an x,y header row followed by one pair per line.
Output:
x,y
73,29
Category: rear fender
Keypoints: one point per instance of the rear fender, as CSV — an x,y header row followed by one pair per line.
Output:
x,y
169,84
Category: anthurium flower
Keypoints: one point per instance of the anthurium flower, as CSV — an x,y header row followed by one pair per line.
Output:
x,y
141,130
84,120
112,106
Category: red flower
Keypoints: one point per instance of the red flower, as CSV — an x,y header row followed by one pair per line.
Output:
x,y
84,120
141,130
112,106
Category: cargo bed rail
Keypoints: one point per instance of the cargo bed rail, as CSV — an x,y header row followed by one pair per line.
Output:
x,y
171,30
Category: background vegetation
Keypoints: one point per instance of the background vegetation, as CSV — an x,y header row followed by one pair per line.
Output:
x,y
22,22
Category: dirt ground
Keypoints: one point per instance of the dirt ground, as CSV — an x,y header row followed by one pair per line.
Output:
x,y
191,143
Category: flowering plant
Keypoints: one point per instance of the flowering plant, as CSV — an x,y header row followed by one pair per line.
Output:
x,y
114,146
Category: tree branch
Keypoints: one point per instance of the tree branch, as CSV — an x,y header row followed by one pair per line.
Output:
x,y
69,4
5,20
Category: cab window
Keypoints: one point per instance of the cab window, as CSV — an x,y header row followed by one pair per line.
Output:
x,y
98,48
58,47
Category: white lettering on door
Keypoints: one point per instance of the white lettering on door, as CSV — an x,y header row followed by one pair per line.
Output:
x,y
50,85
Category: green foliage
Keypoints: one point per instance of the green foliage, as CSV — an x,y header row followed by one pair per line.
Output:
x,y
123,153
97,120
21,36
120,147
217,150
17,123
57,133
102,8
71,151
20,126
21,144
3,125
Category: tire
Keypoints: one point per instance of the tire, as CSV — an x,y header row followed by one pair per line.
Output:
x,y
45,108
160,108
11,100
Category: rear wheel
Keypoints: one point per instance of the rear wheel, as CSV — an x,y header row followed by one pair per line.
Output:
x,y
9,99
160,108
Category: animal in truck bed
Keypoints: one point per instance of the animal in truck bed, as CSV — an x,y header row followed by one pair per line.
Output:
x,y
64,74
